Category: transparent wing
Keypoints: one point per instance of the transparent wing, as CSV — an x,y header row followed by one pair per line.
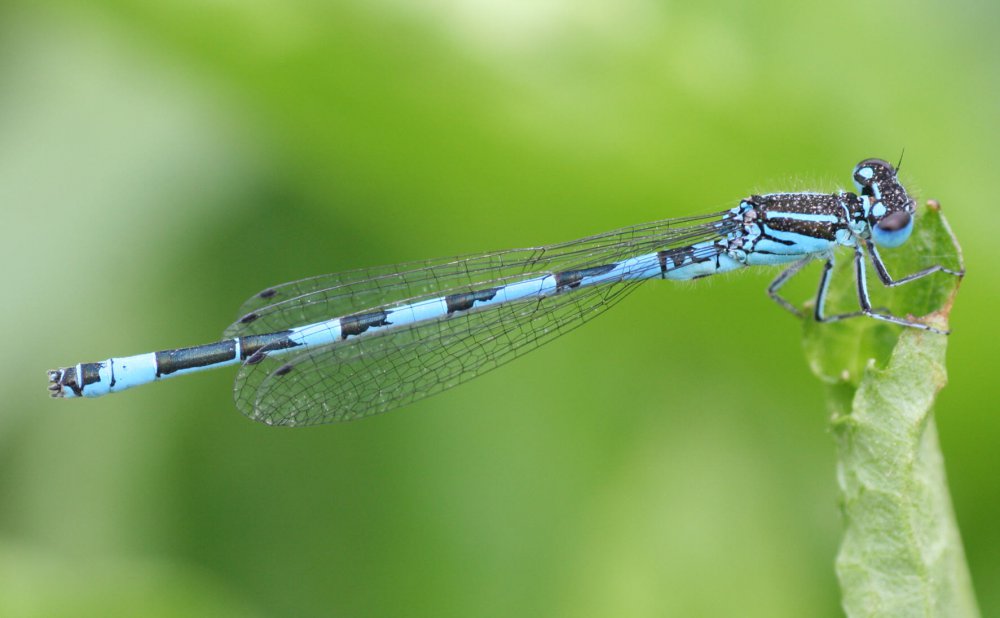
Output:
x,y
385,369
288,299
374,374
327,296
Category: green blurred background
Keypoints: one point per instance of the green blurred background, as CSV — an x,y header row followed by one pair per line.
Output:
x,y
161,161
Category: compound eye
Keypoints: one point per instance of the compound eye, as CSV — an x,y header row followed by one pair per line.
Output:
x,y
893,229
894,222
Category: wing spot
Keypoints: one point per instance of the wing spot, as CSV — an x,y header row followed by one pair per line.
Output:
x,y
256,357
283,370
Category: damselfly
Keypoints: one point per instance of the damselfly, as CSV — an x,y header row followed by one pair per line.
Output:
x,y
344,346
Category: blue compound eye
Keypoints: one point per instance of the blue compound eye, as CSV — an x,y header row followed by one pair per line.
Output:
x,y
893,229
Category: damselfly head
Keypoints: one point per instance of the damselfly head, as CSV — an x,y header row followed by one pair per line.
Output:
x,y
890,211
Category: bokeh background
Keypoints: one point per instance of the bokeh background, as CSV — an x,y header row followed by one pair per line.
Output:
x,y
161,161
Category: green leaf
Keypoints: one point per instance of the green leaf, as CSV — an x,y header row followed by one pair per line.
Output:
x,y
901,554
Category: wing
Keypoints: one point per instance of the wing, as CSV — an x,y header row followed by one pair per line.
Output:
x,y
385,369
375,374
342,293
320,298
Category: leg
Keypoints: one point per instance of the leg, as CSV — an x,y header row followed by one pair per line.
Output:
x,y
782,279
824,286
860,275
865,300
887,279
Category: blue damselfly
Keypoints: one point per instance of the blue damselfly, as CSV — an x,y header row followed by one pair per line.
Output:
x,y
344,346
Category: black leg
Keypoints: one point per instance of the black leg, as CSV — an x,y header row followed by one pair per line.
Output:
x,y
887,279
782,279
865,300
824,286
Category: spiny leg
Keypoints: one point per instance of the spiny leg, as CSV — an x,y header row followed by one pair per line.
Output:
x,y
821,293
888,281
865,300
782,279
